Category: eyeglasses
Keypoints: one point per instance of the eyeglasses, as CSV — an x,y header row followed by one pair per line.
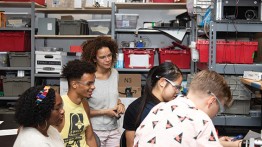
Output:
x,y
178,87
107,56
221,107
86,83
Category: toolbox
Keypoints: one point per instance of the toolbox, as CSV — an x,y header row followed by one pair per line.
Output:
x,y
138,58
20,59
73,27
41,2
15,41
47,26
15,86
177,54
240,52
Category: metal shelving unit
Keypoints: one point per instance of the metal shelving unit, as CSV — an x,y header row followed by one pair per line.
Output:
x,y
154,6
235,69
237,120
216,27
15,29
8,98
67,36
86,10
143,6
46,39
30,8
48,75
15,68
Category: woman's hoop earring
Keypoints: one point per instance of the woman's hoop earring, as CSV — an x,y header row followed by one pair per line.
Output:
x,y
44,127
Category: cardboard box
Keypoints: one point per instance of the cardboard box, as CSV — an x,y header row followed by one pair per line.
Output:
x,y
56,88
129,85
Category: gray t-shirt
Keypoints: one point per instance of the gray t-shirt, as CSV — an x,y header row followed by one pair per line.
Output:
x,y
105,96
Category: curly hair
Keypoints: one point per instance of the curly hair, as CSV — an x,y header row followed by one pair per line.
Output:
x,y
91,47
77,68
28,113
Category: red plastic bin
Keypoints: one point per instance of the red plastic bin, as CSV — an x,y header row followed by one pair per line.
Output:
x,y
41,2
240,52
181,58
138,58
15,41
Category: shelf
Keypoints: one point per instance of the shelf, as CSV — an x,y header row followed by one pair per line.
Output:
x,y
159,6
236,68
139,30
15,29
8,98
87,10
236,27
236,120
19,4
252,83
68,36
48,75
15,68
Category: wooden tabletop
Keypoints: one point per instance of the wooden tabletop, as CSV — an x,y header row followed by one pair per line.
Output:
x,y
252,83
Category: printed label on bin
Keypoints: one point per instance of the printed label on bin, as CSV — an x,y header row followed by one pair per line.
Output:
x,y
125,23
49,26
139,60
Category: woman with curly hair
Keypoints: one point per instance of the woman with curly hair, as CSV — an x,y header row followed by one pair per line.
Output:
x,y
37,109
105,107
76,129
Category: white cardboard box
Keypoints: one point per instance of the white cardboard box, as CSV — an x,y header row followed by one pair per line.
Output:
x,y
253,75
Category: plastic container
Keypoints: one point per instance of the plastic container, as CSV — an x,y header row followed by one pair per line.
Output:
x,y
15,41
99,27
239,107
47,26
126,21
15,86
18,20
20,59
41,2
120,61
181,58
3,59
240,52
138,58
76,48
73,27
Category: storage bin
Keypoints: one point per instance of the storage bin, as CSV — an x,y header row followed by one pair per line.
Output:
x,y
76,48
126,21
240,52
47,26
15,41
3,59
20,59
181,58
41,2
18,20
238,107
15,86
73,27
99,27
138,58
